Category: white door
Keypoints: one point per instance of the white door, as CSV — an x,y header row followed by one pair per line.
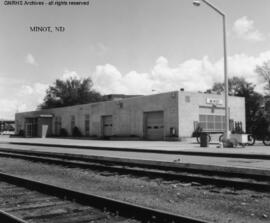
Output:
x,y
154,124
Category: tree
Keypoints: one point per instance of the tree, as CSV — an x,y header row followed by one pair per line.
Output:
x,y
69,92
237,86
264,72
253,100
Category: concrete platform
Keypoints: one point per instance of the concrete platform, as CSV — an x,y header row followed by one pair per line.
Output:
x,y
188,147
184,153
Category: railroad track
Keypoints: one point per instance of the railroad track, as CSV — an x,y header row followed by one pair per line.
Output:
x,y
23,200
238,180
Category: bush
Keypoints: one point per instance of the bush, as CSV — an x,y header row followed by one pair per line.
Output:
x,y
63,132
21,133
76,132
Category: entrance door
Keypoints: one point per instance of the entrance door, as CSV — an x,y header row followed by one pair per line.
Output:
x,y
28,130
44,121
154,125
30,127
107,125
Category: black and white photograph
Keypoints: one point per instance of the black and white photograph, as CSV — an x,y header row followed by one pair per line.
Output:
x,y
152,111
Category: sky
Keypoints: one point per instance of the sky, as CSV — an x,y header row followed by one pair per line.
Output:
x,y
128,47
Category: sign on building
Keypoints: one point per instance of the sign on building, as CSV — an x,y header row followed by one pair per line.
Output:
x,y
214,101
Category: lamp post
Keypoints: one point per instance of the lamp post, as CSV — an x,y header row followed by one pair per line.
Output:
x,y
198,3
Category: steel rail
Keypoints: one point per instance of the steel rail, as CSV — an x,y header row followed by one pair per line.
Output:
x,y
215,179
123,209
9,218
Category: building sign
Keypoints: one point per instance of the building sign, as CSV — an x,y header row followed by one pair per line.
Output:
x,y
214,101
45,116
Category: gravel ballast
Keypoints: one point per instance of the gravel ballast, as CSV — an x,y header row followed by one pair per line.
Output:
x,y
192,199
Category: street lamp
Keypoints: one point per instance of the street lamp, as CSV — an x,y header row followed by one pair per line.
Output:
x,y
198,3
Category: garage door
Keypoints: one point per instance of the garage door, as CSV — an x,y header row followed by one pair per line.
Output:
x,y
154,125
107,125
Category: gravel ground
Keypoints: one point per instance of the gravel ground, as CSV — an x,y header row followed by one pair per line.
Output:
x,y
191,199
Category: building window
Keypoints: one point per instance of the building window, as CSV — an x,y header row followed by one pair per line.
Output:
x,y
58,125
187,99
72,124
213,123
87,125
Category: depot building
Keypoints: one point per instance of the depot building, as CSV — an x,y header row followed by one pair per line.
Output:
x,y
165,116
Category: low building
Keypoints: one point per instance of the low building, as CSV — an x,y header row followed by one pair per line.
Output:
x,y
165,116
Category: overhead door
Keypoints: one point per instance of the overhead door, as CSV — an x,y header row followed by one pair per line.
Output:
x,y
107,125
154,125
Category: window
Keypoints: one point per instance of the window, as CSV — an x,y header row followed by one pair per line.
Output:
x,y
87,124
187,99
58,124
213,123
